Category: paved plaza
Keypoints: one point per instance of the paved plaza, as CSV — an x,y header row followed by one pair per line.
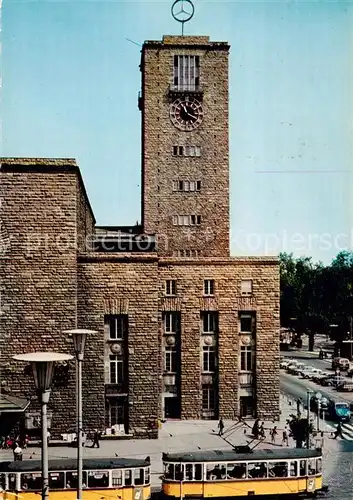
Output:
x,y
189,435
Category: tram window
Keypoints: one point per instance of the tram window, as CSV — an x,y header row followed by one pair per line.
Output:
x,y
12,482
31,481
293,469
302,468
71,479
188,472
147,475
198,472
236,471
56,480
216,471
179,476
257,470
138,476
117,477
318,465
169,471
98,479
3,481
277,469
311,467
128,477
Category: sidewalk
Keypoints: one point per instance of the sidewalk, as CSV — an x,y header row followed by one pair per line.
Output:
x,y
178,436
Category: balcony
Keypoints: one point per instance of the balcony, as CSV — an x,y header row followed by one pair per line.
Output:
x,y
114,390
140,101
181,89
246,379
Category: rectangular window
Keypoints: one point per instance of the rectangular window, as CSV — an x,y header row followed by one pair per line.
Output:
x,y
209,322
198,219
208,287
171,322
175,220
181,186
118,326
209,359
186,220
175,150
247,323
198,185
181,150
246,287
186,185
116,369
175,185
197,151
170,287
192,220
208,398
186,74
246,358
170,355
192,185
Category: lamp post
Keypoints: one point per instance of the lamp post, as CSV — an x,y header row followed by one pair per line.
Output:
x,y
43,370
318,397
308,395
79,338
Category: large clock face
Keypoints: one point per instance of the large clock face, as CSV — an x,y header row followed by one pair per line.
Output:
x,y
186,113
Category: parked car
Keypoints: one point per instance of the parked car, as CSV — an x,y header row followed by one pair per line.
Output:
x,y
315,372
306,372
285,362
340,363
333,380
324,403
339,411
298,368
291,367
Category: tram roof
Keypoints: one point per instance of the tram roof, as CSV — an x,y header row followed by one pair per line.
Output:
x,y
71,464
232,456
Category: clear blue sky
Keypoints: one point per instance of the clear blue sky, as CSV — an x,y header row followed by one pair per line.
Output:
x,y
70,83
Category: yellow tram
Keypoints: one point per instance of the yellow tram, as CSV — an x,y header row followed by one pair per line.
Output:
x,y
103,479
220,474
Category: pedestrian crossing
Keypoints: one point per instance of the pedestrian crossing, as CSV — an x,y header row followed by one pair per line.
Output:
x,y
347,430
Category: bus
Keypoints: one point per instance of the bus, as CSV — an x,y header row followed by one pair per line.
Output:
x,y
103,478
219,474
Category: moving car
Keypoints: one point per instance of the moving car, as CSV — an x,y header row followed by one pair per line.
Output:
x,y
339,411
340,364
333,381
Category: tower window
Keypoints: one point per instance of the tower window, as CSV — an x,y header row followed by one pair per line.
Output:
x,y
187,150
186,186
186,72
246,287
209,359
186,220
208,287
170,287
198,185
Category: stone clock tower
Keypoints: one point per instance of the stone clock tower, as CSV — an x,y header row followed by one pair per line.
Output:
x,y
185,150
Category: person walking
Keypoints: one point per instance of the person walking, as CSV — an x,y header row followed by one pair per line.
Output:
x,y
262,431
338,431
255,430
17,453
96,437
273,434
285,437
221,427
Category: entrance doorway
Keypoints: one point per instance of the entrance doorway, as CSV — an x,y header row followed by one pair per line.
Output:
x,y
247,406
171,407
117,415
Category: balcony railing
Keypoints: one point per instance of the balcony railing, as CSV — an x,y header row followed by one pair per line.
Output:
x,y
246,379
185,88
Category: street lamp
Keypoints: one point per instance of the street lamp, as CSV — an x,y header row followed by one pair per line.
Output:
x,y
318,397
43,370
308,396
79,337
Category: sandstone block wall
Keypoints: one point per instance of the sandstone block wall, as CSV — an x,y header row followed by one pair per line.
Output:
x,y
227,273
122,284
160,168
38,273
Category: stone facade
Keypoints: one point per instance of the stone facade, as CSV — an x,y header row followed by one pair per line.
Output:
x,y
182,330
160,167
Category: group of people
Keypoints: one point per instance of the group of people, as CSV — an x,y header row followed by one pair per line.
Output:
x,y
258,431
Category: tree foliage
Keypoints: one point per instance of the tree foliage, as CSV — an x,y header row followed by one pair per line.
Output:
x,y
301,429
314,296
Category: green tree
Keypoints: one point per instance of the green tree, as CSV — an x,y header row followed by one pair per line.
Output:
x,y
301,429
